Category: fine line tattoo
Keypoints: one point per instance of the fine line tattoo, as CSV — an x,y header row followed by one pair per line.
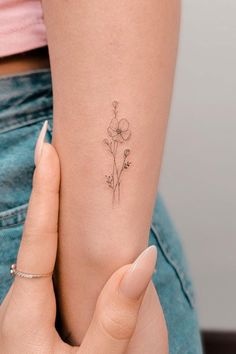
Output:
x,y
118,132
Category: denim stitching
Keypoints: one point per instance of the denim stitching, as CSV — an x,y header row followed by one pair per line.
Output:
x,y
42,106
12,225
16,211
27,122
183,280
187,284
13,217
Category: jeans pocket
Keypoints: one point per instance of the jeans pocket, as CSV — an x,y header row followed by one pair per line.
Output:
x,y
17,162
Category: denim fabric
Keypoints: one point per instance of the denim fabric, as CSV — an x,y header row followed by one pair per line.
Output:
x,y
25,102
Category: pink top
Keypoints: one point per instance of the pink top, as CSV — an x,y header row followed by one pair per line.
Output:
x,y
21,26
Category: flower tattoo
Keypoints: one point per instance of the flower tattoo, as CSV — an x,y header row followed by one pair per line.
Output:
x,y
118,132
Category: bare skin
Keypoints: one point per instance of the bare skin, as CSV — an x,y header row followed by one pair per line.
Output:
x,y
32,60
138,69
27,314
101,52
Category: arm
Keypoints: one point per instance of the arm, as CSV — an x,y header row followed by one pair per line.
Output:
x,y
27,314
101,52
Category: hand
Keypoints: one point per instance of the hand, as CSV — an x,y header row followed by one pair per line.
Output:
x,y
27,314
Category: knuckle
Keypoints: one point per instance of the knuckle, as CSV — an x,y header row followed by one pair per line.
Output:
x,y
119,323
6,328
35,235
40,223
42,182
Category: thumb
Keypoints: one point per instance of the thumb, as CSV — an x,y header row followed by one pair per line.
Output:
x,y
118,305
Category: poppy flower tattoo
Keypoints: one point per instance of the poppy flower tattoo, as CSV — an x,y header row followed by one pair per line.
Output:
x,y
118,132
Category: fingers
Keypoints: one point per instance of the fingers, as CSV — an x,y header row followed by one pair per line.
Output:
x,y
38,247
118,305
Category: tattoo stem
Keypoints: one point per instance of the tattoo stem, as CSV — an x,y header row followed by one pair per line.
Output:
x,y
119,132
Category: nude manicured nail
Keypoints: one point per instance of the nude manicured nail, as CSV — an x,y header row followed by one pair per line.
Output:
x,y
40,141
138,276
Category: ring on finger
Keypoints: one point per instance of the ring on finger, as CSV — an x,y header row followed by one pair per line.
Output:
x,y
15,272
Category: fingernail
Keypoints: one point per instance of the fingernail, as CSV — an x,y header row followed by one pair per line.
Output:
x,y
138,276
39,144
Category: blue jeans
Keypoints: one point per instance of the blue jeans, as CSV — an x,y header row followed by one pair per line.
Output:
x,y
25,102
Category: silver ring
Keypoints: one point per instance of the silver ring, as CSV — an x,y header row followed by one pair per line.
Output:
x,y
15,272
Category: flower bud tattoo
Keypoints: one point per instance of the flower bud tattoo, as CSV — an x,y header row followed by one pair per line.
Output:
x,y
118,133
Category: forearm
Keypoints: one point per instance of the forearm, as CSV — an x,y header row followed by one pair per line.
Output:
x,y
102,52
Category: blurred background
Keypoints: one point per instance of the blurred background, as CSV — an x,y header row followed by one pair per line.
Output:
x,y
199,168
